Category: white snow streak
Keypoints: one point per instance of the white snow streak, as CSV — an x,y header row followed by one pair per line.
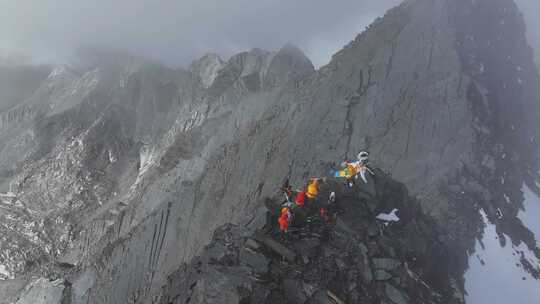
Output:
x,y
389,217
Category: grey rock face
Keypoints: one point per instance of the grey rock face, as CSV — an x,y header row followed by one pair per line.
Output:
x,y
207,68
116,176
385,264
381,275
289,65
43,291
395,295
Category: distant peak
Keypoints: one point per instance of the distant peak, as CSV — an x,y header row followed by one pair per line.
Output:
x,y
61,71
207,68
210,57
288,63
291,50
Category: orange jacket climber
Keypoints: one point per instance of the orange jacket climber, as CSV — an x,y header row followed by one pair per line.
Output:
x,y
352,169
284,219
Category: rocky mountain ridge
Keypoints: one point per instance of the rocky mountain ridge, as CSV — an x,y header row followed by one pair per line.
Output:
x,y
117,176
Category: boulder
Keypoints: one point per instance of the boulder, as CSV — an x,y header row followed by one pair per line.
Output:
x,y
385,263
396,296
43,291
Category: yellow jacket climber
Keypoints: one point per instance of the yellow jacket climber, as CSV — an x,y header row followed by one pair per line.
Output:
x,y
351,170
313,188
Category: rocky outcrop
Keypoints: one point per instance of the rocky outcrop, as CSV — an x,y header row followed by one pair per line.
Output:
x,y
43,291
289,65
207,68
344,262
244,71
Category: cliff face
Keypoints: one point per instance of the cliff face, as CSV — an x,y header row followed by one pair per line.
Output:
x,y
115,177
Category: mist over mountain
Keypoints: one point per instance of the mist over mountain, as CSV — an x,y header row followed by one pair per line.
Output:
x,y
128,180
178,32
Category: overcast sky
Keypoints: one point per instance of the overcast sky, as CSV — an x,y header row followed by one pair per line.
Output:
x,y
178,31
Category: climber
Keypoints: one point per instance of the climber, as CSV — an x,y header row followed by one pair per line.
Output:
x,y
284,220
300,198
499,213
362,165
313,204
313,187
349,171
354,169
363,157
287,190
332,206
323,213
332,197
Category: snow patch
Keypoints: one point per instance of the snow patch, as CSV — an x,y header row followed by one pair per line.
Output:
x,y
112,158
389,217
531,214
147,155
9,194
495,274
4,273
507,198
58,71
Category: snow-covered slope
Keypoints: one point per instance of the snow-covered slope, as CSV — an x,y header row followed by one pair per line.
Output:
x,y
496,274
531,212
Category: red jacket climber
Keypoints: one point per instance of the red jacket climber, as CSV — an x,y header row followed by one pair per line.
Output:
x,y
300,198
323,212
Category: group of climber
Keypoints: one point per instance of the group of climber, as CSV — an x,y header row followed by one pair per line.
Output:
x,y
300,202
306,203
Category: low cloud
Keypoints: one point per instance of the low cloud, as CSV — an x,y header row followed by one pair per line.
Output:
x,y
176,32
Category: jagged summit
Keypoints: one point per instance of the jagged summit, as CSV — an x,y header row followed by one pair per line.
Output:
x,y
246,70
256,68
288,64
294,52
